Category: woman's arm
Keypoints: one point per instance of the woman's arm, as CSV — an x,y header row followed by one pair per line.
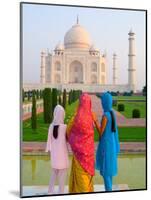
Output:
x,y
96,123
69,126
103,125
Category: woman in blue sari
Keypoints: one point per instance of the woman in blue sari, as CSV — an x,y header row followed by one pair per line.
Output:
x,y
108,147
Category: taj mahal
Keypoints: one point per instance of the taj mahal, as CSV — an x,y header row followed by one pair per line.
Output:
x,y
78,64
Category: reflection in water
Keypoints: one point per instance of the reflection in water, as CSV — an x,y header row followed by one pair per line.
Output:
x,y
36,171
33,165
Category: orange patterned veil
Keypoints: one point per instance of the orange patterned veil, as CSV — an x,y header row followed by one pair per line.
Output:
x,y
81,136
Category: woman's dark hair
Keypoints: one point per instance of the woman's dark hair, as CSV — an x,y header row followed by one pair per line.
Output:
x,y
55,131
113,128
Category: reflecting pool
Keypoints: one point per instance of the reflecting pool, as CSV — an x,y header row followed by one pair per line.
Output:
x,y
132,171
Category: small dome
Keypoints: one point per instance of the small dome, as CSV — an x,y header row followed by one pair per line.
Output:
x,y
59,47
93,48
77,37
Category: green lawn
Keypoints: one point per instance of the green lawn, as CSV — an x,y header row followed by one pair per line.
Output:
x,y
130,97
129,106
129,134
40,134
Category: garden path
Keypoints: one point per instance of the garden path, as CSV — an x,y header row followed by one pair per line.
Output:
x,y
121,119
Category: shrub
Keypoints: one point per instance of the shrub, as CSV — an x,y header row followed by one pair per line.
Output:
x,y
114,93
114,102
121,107
128,93
136,113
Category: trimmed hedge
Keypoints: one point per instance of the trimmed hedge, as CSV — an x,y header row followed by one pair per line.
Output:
x,y
136,113
121,107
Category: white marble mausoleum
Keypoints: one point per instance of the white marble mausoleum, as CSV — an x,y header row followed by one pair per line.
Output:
x,y
78,64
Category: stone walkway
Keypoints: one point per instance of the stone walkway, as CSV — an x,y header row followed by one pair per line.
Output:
x,y
121,119
39,147
43,189
28,115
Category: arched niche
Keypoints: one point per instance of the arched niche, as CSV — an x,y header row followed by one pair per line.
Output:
x,y
94,67
57,66
76,72
93,79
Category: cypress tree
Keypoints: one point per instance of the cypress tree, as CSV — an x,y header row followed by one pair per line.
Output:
x,y
74,95
40,94
37,94
28,95
34,116
47,105
54,98
23,95
64,98
69,98
59,99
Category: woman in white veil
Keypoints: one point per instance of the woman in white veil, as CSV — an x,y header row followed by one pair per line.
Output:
x,y
57,146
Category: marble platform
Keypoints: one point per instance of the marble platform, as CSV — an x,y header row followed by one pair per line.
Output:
x,y
43,190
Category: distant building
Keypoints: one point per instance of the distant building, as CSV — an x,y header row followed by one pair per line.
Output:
x,y
77,64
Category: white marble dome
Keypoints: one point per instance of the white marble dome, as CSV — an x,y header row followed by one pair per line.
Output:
x,y
77,37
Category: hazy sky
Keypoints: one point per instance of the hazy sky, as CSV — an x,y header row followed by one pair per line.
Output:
x,y
44,26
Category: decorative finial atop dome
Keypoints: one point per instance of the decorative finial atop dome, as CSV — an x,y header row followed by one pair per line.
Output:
x,y
77,19
131,32
114,54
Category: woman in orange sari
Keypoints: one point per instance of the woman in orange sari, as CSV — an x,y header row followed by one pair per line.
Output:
x,y
80,135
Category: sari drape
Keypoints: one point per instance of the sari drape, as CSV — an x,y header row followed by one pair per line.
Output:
x,y
80,133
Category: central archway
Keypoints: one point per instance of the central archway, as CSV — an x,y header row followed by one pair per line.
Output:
x,y
76,72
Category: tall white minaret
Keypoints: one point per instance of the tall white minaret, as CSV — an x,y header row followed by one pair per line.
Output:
x,y
132,62
43,67
114,69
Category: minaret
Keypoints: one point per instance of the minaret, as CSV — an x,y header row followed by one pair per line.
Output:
x,y
77,19
132,62
42,67
114,69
